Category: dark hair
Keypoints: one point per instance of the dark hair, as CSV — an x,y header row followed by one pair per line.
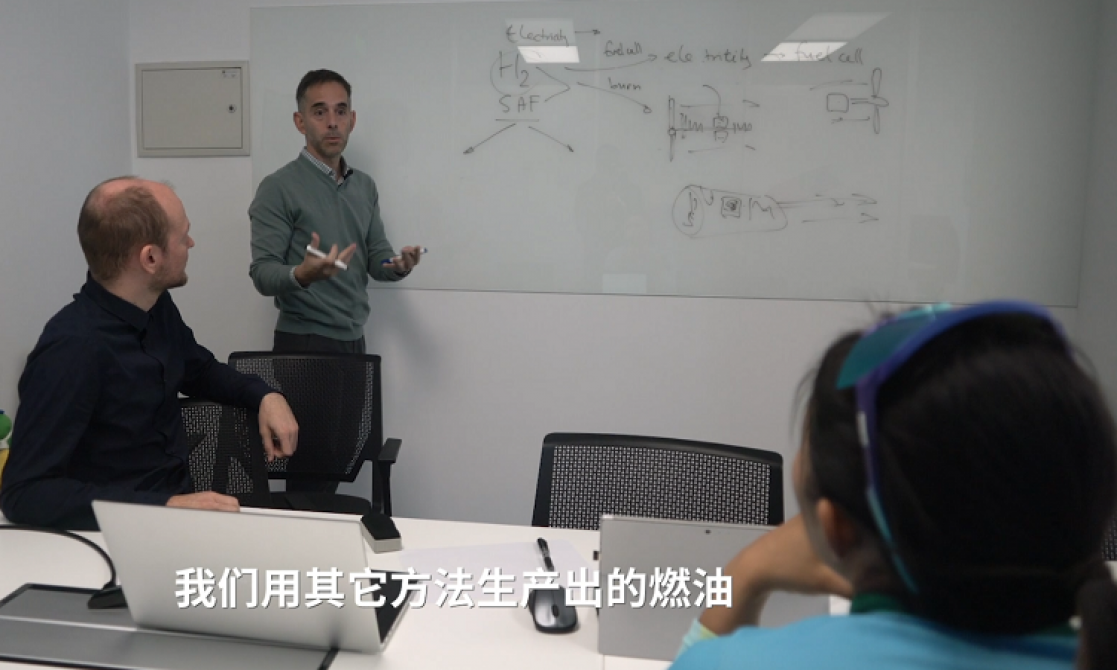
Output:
x,y
111,227
998,473
316,77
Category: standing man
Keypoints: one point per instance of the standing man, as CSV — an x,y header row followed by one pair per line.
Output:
x,y
319,200
99,415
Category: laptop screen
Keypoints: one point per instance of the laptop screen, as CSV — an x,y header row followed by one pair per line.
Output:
x,y
667,562
286,577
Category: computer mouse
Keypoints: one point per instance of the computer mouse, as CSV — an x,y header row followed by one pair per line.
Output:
x,y
110,597
550,611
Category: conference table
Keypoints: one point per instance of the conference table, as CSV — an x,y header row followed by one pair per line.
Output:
x,y
428,637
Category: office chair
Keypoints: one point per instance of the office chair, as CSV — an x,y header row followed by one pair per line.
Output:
x,y
582,476
336,400
1109,546
226,454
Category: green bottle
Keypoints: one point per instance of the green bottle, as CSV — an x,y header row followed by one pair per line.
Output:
x,y
5,439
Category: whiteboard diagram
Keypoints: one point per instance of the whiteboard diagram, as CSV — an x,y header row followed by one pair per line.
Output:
x,y
705,212
705,122
844,107
671,153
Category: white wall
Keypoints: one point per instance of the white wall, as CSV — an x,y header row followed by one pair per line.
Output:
x,y
63,128
473,381
1097,301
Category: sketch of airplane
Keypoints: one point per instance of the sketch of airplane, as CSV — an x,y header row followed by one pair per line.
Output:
x,y
699,211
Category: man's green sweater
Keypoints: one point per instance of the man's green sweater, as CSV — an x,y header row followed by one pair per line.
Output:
x,y
300,199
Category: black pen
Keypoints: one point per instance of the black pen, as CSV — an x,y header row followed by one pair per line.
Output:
x,y
543,549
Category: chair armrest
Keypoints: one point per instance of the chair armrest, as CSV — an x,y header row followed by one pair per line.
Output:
x,y
390,451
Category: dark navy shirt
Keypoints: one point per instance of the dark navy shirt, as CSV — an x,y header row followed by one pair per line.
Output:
x,y
99,413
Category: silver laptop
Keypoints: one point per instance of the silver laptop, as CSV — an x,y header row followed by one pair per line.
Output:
x,y
270,575
656,630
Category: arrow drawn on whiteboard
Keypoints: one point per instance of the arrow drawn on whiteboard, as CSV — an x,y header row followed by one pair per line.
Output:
x,y
567,86
647,110
551,138
595,31
842,82
860,218
470,149
695,151
856,199
618,67
748,103
839,120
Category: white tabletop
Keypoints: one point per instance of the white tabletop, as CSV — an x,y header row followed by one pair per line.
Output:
x,y
428,637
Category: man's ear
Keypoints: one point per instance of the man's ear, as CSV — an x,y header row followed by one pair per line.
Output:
x,y
151,257
300,124
838,528
352,119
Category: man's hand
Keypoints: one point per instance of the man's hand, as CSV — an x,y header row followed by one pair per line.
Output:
x,y
407,259
278,428
314,269
205,500
782,560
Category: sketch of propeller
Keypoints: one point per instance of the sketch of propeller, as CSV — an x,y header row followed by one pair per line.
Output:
x,y
875,100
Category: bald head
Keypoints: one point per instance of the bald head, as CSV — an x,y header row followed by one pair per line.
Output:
x,y
120,216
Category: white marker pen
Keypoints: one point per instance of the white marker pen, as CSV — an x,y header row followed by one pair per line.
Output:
x,y
422,250
322,254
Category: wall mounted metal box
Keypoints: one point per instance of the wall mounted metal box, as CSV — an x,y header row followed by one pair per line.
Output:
x,y
192,109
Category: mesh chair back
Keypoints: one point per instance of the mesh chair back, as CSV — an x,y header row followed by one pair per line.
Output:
x,y
1109,548
226,454
582,476
336,400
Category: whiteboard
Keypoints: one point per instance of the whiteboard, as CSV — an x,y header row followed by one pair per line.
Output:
x,y
711,148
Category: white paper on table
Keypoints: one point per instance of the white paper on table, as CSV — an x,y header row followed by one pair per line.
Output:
x,y
515,558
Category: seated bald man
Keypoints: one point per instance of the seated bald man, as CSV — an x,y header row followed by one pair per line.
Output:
x,y
99,413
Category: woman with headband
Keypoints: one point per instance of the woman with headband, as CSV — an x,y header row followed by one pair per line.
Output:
x,y
957,475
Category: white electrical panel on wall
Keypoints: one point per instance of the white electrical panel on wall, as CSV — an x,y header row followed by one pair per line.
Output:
x,y
192,109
